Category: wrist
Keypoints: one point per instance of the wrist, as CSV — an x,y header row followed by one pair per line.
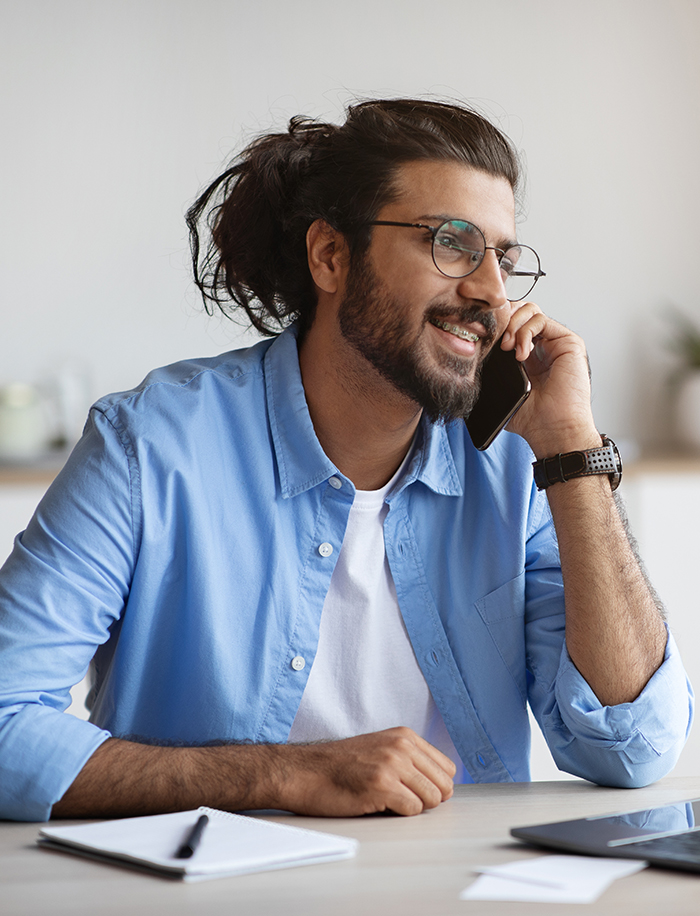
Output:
x,y
291,779
238,777
560,441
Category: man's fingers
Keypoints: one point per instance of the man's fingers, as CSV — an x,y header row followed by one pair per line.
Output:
x,y
437,757
530,329
393,770
435,767
426,772
526,323
559,409
426,790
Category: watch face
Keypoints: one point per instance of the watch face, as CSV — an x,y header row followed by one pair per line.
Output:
x,y
617,476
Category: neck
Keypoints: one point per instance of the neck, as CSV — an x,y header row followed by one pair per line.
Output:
x,y
363,423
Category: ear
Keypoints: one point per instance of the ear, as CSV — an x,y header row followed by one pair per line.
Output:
x,y
328,256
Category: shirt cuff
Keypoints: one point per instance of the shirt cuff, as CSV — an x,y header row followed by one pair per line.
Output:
x,y
43,750
656,721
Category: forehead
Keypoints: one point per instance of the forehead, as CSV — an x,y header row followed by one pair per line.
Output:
x,y
450,189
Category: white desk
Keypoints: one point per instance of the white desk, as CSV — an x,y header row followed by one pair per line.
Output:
x,y
407,866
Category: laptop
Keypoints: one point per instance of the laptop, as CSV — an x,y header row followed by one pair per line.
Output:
x,y
666,836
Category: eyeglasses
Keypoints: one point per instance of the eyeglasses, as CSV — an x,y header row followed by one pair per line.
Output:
x,y
459,248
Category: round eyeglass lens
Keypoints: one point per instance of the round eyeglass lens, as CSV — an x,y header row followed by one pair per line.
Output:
x,y
520,268
458,248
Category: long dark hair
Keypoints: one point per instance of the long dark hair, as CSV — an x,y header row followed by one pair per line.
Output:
x,y
255,216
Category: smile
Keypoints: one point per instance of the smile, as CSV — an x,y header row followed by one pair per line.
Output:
x,y
457,331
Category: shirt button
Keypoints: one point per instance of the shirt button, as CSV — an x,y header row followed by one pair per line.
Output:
x,y
335,482
325,549
298,663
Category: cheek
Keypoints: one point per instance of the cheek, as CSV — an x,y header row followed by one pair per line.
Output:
x,y
404,274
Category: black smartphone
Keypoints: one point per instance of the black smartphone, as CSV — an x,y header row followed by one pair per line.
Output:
x,y
505,387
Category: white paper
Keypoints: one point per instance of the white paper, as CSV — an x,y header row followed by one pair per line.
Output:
x,y
232,844
550,879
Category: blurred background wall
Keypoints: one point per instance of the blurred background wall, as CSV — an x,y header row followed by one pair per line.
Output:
x,y
114,113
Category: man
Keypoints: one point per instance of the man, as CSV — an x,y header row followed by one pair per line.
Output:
x,y
302,585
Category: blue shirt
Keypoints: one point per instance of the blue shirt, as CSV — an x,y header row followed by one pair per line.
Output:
x,y
181,546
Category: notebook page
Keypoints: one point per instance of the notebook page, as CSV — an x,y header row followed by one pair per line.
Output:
x,y
231,843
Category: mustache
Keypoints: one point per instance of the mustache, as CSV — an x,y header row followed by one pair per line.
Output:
x,y
465,314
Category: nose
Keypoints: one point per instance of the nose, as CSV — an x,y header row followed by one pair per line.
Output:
x,y
486,282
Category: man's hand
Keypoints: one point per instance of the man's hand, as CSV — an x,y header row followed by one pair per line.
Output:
x,y
393,770
557,416
614,631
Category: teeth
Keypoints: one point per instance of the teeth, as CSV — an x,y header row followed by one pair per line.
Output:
x,y
457,331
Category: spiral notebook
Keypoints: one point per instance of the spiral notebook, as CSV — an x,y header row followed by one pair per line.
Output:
x,y
232,844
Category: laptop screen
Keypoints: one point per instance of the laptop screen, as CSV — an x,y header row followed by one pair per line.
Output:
x,y
652,823
609,832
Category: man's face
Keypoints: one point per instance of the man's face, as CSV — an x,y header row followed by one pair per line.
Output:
x,y
411,323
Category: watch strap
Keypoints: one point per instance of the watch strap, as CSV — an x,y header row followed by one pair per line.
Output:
x,y
585,463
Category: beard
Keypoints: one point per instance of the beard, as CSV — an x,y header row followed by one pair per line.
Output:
x,y
372,321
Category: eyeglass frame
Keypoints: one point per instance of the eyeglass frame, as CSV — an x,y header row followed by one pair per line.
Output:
x,y
434,230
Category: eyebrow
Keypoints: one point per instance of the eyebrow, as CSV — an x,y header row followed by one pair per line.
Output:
x,y
504,244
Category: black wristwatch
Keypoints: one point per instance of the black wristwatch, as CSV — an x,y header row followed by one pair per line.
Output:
x,y
586,463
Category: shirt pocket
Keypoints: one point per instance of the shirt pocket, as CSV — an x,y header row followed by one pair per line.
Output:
x,y
503,613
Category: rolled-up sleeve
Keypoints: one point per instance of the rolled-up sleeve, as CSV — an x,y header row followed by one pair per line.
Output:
x,y
629,745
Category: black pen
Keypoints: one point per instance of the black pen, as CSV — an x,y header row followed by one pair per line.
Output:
x,y
191,841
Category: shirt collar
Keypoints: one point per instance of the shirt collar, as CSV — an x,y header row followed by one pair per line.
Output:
x,y
433,463
301,461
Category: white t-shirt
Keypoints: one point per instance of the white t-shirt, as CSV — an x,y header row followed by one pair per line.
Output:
x,y
365,676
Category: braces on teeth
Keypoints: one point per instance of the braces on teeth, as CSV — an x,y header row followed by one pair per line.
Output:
x,y
458,332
